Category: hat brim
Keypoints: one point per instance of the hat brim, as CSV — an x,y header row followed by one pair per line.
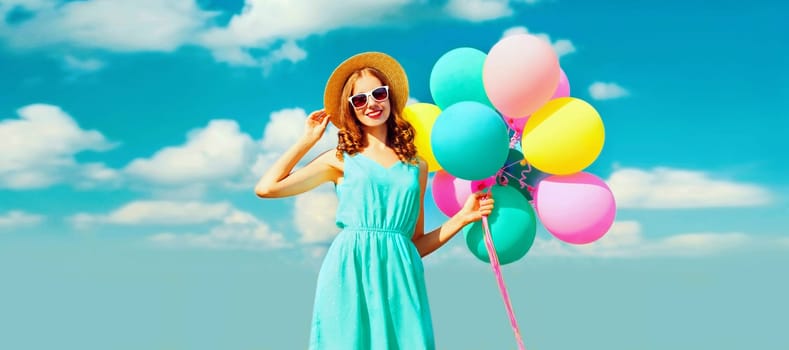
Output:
x,y
394,72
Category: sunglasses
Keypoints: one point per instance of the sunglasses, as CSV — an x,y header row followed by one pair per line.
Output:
x,y
379,94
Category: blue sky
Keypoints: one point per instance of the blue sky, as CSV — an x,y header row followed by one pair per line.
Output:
x,y
132,133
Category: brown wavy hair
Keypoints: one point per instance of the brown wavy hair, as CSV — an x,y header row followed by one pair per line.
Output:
x,y
399,132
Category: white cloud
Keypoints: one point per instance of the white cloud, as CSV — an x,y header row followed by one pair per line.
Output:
x,y
289,51
217,152
114,25
665,188
562,47
479,10
246,233
238,230
228,227
18,218
220,154
92,175
151,212
264,33
314,214
86,65
284,128
39,149
263,23
625,240
606,91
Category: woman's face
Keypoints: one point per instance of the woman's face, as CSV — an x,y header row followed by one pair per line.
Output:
x,y
374,112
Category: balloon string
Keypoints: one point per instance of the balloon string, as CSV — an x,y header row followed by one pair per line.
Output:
x,y
515,136
514,139
494,262
503,174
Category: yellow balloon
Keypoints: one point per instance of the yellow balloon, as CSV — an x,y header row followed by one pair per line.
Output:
x,y
563,137
422,116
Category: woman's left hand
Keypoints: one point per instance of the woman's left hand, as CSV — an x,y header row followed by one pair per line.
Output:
x,y
477,205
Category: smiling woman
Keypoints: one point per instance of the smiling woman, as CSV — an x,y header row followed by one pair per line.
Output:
x,y
370,292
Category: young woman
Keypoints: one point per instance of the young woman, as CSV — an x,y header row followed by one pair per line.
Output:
x,y
370,291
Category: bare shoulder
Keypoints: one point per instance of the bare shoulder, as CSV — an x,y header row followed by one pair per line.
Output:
x,y
330,158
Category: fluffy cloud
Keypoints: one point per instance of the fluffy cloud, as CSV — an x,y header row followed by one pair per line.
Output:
x,y
151,212
86,65
665,188
216,152
264,23
238,230
606,91
39,149
284,128
264,33
626,240
562,47
114,25
314,215
226,226
479,10
17,218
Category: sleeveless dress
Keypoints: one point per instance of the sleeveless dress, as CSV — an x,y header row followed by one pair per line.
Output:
x,y
371,291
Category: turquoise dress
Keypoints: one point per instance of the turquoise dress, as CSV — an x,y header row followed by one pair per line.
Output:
x,y
371,289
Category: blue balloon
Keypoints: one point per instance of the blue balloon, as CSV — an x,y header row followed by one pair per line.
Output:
x,y
513,227
457,76
470,141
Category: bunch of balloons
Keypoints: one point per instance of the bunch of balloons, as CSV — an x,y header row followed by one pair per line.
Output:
x,y
504,121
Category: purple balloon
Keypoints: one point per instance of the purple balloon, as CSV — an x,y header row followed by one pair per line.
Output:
x,y
577,208
563,89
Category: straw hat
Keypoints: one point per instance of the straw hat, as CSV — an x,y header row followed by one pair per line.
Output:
x,y
398,81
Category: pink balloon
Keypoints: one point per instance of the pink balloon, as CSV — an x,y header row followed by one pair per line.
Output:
x,y
516,124
520,74
449,192
563,89
577,208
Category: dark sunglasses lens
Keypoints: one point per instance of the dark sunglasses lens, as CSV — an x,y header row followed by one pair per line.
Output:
x,y
380,94
359,100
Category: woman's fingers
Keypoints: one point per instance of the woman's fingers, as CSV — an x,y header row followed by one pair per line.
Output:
x,y
318,115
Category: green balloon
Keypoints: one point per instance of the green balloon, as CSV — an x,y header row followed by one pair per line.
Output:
x,y
520,176
513,226
457,76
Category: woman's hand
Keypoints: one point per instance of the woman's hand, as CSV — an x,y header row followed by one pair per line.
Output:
x,y
315,126
477,205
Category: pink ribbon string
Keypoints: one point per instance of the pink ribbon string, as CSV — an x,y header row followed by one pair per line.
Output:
x,y
504,172
494,263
